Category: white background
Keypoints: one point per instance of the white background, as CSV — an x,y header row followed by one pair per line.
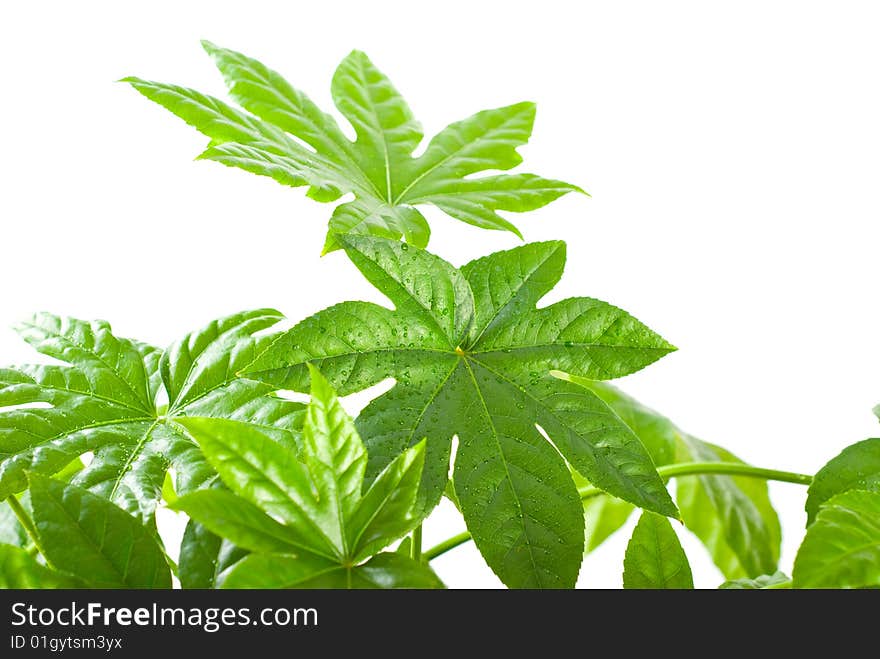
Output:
x,y
731,150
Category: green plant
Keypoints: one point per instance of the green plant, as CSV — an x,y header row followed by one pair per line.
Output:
x,y
550,459
285,136
472,357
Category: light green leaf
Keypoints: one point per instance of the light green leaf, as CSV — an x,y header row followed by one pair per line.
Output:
x,y
378,167
386,570
18,569
335,458
654,557
265,94
857,467
387,133
387,509
104,401
91,538
266,474
732,516
777,580
603,515
842,546
238,521
205,558
305,515
472,355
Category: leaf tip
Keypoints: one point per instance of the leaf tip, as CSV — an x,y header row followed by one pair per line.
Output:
x,y
318,383
526,106
357,54
331,242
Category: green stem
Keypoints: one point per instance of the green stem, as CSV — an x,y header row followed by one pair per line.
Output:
x,y
705,468
666,472
27,523
446,545
416,544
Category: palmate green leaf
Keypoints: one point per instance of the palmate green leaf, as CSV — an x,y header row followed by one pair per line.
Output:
x,y
732,516
282,134
775,581
654,557
306,517
857,467
471,356
842,546
89,537
18,569
104,401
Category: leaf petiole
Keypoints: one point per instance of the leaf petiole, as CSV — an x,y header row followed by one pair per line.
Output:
x,y
416,544
27,524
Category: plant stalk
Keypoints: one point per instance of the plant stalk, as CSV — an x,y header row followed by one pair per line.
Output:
x,y
708,468
416,544
446,545
666,472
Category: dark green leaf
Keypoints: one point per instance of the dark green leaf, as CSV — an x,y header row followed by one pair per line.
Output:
x,y
91,538
378,167
857,467
205,558
842,546
471,356
654,557
104,401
